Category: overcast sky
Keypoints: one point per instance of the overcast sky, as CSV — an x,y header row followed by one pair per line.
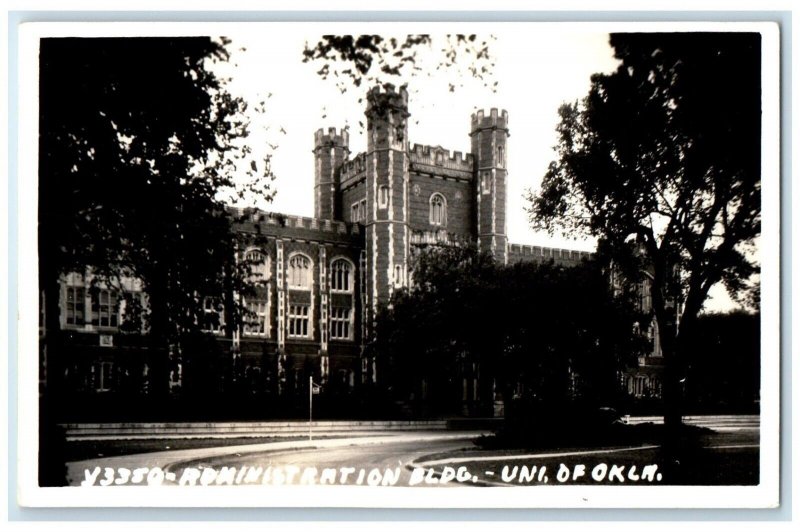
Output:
x,y
537,69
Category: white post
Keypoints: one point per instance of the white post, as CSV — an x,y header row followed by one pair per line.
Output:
x,y
310,403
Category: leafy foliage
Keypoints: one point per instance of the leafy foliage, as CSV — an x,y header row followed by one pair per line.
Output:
x,y
543,333
356,60
661,161
139,141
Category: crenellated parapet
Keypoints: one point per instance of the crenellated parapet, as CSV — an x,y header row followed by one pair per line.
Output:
x,y
441,157
332,137
355,168
525,253
493,120
245,216
383,98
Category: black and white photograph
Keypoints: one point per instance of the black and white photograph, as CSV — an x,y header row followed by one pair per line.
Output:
x,y
403,265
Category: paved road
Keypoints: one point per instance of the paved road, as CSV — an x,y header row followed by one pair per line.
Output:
x,y
392,450
399,460
350,465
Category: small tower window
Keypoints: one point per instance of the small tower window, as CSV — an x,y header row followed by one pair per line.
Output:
x,y
438,210
501,156
486,183
383,196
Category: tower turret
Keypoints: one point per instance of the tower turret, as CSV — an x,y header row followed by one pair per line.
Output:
x,y
387,234
331,150
489,135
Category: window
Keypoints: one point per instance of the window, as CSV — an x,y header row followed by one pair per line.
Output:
x,y
298,321
486,183
438,210
501,156
399,275
213,319
104,308
300,272
341,276
340,323
646,296
383,196
358,211
258,263
75,305
255,320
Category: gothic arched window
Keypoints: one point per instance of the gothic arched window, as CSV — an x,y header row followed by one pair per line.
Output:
x,y
341,276
438,210
258,264
299,275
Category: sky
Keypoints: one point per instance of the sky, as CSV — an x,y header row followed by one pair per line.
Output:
x,y
537,68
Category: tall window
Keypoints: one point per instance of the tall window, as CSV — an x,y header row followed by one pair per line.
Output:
x,y
362,210
300,272
383,196
399,275
438,210
75,305
258,264
213,319
298,321
486,183
341,276
340,323
646,296
501,156
104,308
354,213
255,320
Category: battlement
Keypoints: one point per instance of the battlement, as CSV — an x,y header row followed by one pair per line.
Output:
x,y
333,137
494,120
257,216
353,167
438,156
380,98
525,252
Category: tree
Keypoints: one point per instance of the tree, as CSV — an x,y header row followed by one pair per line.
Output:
x,y
542,334
139,144
723,372
372,59
661,162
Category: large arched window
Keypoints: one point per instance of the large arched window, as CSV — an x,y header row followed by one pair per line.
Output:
x,y
299,275
438,210
341,276
258,263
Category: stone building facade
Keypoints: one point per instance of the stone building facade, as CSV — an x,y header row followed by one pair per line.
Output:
x,y
320,279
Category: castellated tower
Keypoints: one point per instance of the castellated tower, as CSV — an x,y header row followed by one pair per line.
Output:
x,y
387,183
331,150
489,135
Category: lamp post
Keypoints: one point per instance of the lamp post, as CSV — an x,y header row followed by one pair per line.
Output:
x,y
313,389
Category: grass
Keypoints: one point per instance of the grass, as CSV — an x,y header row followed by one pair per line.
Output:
x,y
703,457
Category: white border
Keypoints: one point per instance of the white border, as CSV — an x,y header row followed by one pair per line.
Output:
x,y
29,494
